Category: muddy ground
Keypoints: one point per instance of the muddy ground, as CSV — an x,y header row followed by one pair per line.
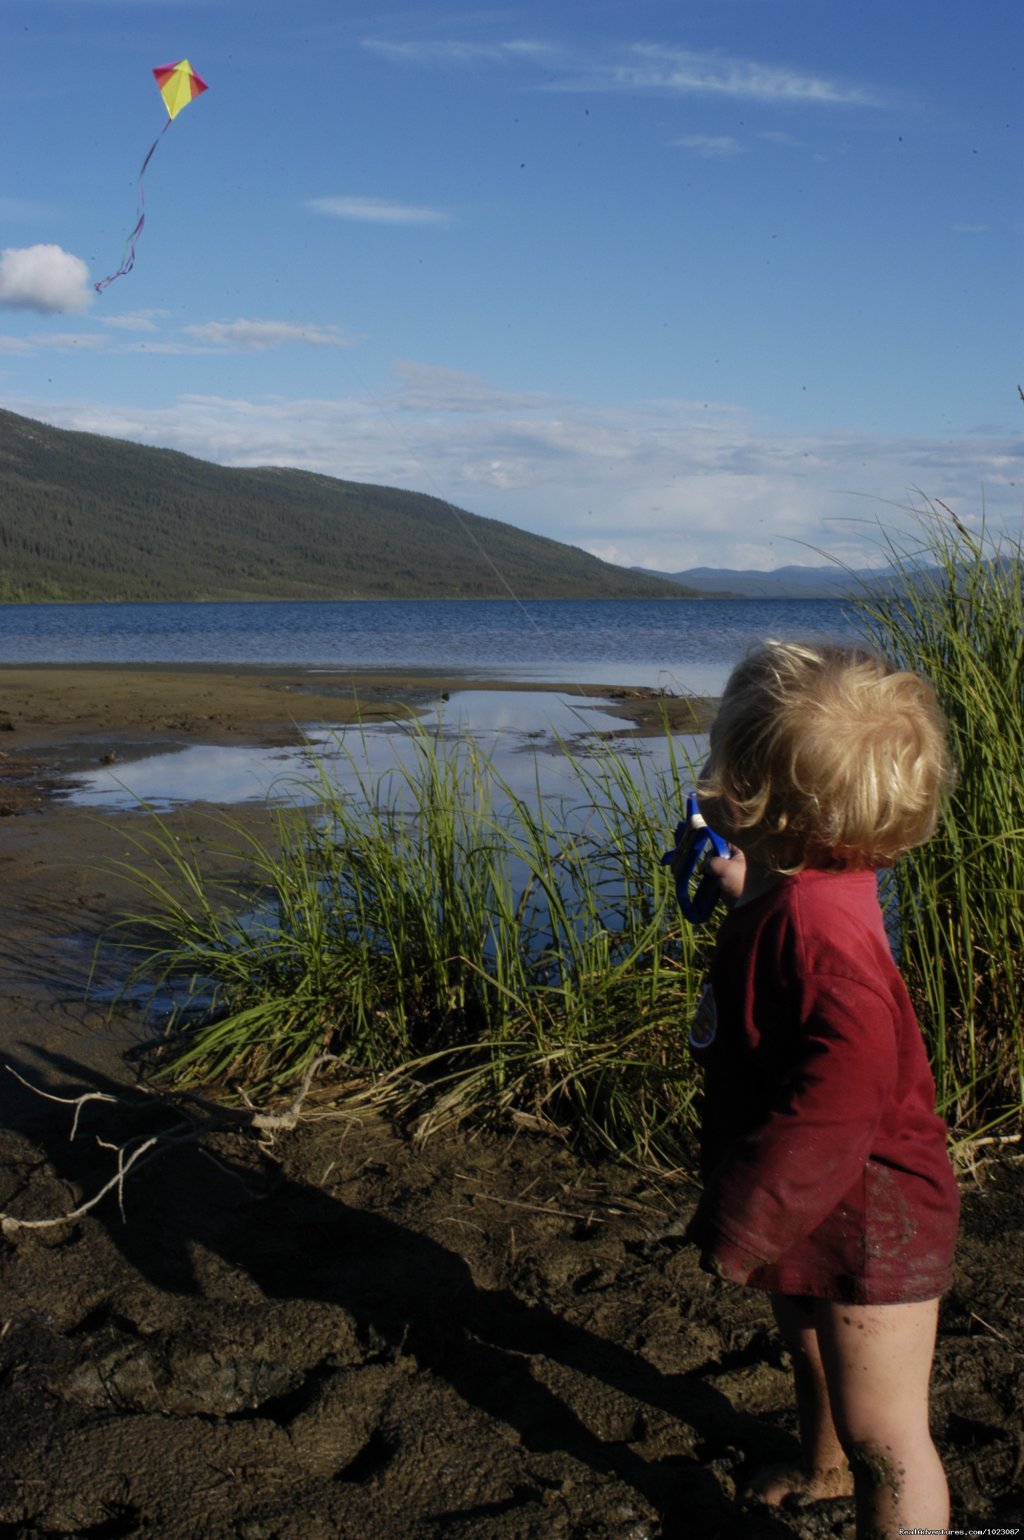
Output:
x,y
332,1331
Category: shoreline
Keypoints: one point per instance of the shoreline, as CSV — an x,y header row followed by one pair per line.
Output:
x,y
254,1342
61,862
46,705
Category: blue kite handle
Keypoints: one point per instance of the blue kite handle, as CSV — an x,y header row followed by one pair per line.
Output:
x,y
698,905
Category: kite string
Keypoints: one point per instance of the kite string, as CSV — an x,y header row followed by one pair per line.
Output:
x,y
456,512
128,254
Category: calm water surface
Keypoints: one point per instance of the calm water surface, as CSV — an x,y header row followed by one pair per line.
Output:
x,y
517,732
671,643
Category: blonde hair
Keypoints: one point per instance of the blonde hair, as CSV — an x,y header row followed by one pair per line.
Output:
x,y
825,756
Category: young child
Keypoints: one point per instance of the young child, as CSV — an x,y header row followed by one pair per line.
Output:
x,y
827,1180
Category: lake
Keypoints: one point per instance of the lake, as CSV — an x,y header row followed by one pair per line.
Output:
x,y
675,644
680,646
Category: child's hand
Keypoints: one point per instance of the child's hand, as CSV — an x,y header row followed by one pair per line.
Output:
x,y
731,873
698,888
730,1268
718,1256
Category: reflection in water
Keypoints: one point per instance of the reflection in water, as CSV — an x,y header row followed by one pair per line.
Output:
x,y
518,731
570,811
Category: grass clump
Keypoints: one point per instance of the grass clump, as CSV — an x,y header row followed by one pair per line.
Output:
x,y
463,949
953,609
460,948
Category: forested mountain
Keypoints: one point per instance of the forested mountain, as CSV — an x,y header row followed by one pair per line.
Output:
x,y
91,518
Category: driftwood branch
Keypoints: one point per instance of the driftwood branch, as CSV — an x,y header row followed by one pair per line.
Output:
x,y
10,1225
134,1154
78,1102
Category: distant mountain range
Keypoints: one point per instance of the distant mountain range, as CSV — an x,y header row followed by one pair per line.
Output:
x,y
782,583
84,517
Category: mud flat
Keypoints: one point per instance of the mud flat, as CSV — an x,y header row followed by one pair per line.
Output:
x,y
333,1332
50,702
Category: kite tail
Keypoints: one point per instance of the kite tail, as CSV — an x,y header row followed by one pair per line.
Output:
x,y
128,254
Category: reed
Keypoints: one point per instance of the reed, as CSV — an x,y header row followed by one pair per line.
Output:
x,y
464,950
956,614
461,949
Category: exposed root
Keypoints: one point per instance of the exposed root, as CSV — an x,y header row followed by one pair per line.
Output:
x,y
138,1152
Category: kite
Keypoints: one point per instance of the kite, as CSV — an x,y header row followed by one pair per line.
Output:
x,y
178,84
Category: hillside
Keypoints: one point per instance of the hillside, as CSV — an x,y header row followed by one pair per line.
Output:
x,y
792,582
84,517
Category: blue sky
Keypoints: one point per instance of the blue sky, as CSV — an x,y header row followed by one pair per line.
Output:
x,y
680,282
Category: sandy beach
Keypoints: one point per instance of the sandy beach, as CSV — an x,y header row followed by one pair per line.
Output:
x,y
333,1331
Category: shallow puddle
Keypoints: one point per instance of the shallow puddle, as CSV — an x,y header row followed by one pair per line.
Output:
x,y
522,733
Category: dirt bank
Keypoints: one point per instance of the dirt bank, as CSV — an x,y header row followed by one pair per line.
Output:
x,y
333,1332
56,717
46,702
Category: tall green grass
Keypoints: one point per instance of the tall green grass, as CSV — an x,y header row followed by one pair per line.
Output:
x,y
462,949
956,614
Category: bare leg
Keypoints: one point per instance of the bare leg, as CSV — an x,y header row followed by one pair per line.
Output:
x,y
822,1470
877,1361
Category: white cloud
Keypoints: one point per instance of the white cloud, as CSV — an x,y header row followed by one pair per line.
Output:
x,y
59,342
685,72
135,320
434,388
781,137
458,52
650,68
74,342
141,334
712,146
377,211
257,336
44,278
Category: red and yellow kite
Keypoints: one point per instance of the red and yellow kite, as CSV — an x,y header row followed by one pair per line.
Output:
x,y
178,85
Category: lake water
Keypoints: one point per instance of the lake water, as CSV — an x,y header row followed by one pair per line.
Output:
x,y
681,646
677,644
517,733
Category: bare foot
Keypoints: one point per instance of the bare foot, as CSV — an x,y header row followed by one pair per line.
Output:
x,y
774,1485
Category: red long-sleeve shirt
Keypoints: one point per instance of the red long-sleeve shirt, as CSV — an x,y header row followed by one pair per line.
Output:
x,y
826,1171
